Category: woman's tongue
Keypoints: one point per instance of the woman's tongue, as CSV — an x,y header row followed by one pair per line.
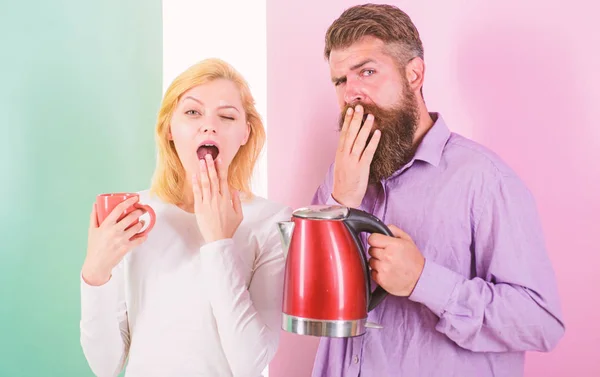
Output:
x,y
204,150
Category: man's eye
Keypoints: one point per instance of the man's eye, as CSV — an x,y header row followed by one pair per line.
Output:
x,y
368,72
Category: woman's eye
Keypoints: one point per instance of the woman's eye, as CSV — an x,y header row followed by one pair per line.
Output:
x,y
227,118
192,112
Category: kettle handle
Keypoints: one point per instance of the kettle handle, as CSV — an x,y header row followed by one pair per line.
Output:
x,y
360,221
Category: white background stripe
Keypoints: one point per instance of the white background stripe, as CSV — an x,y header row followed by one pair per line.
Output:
x,y
232,30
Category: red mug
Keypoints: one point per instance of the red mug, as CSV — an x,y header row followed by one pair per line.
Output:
x,y
105,203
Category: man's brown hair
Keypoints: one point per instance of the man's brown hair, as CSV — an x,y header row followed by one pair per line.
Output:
x,y
385,22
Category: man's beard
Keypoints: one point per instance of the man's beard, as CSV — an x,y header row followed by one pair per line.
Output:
x,y
397,126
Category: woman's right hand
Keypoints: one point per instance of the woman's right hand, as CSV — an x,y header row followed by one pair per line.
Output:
x,y
109,242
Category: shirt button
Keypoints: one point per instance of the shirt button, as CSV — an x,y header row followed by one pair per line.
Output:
x,y
355,359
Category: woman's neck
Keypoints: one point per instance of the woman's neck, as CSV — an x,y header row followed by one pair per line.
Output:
x,y
188,198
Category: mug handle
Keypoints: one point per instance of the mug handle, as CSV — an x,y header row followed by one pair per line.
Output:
x,y
150,212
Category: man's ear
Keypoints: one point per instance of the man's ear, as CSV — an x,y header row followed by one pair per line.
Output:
x,y
415,73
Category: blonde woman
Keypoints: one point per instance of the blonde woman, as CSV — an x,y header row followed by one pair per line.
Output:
x,y
201,294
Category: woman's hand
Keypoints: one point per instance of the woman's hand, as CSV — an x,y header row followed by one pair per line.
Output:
x,y
109,242
218,209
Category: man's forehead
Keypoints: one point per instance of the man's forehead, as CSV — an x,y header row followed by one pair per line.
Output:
x,y
344,58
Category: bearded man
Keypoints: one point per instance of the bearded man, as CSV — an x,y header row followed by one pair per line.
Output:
x,y
470,285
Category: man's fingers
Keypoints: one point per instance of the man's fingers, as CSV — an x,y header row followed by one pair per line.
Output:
x,y
375,275
379,241
344,130
367,156
363,135
353,128
376,253
399,233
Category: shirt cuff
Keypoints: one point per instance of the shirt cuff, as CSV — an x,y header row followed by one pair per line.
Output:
x,y
216,246
436,286
332,202
99,300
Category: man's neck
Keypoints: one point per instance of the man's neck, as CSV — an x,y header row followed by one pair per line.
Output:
x,y
425,124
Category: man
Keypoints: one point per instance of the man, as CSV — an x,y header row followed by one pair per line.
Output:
x,y
470,284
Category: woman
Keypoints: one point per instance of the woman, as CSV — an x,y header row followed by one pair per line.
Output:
x,y
201,294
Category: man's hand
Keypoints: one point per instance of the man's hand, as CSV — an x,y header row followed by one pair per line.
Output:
x,y
353,159
396,262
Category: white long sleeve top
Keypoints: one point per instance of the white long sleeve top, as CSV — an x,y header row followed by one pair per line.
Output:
x,y
177,306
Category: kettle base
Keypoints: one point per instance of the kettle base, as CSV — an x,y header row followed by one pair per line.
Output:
x,y
323,328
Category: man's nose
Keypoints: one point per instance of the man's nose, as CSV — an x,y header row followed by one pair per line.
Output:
x,y
353,94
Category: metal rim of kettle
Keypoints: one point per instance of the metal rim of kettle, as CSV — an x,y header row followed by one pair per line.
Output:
x,y
327,328
322,212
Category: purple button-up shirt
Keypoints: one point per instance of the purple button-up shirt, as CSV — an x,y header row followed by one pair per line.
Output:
x,y
487,292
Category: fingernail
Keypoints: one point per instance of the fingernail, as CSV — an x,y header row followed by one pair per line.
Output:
x,y
370,117
358,108
208,157
349,111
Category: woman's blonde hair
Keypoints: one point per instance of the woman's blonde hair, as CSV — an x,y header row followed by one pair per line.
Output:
x,y
169,177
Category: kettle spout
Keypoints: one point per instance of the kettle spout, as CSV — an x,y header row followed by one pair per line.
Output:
x,y
286,228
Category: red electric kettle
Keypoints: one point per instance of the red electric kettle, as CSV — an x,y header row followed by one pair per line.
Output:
x,y
327,285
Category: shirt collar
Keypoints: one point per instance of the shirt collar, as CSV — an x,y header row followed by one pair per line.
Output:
x,y
431,147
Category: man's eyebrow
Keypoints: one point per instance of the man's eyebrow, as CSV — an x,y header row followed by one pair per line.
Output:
x,y
339,80
357,66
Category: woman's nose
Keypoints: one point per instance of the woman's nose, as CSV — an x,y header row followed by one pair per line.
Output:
x,y
208,127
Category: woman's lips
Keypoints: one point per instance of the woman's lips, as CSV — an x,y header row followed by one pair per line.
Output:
x,y
206,149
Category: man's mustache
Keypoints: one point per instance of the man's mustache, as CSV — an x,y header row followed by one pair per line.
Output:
x,y
367,109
